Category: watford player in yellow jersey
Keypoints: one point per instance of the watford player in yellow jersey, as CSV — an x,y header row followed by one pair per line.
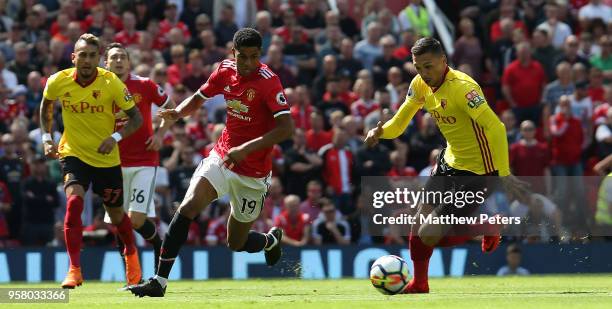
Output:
x,y
88,149
476,145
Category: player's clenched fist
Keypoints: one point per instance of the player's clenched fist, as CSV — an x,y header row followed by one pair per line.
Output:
x,y
50,150
168,114
373,135
107,145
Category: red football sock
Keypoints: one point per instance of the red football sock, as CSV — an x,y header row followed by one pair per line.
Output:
x,y
73,229
420,254
124,229
449,241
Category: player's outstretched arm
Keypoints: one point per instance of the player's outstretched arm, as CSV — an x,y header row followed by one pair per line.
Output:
x,y
394,127
134,122
283,131
46,127
186,108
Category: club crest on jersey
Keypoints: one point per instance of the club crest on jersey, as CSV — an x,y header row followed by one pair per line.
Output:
x,y
280,98
95,94
137,97
474,99
443,103
250,93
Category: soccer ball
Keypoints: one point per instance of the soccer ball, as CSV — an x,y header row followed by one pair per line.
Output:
x,y
389,274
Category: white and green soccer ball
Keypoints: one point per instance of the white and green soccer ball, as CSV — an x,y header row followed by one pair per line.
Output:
x,y
389,274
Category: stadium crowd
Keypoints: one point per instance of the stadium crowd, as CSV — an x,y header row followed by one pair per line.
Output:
x,y
545,67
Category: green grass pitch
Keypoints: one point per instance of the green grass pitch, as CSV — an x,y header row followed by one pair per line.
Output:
x,y
583,291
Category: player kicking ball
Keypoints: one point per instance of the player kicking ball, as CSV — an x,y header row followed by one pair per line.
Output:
x,y
476,146
87,151
240,164
140,152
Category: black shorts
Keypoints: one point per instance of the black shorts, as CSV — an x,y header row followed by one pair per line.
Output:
x,y
107,181
445,178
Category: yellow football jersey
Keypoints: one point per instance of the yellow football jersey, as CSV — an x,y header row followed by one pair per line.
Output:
x,y
455,106
87,111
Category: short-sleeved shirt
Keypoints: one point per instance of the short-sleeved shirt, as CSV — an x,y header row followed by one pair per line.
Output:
x,y
253,102
87,111
455,105
133,149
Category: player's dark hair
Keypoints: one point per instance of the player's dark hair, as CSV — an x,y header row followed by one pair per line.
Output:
x,y
427,45
247,37
89,39
115,45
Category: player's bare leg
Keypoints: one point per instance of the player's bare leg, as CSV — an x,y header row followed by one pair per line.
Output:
x,y
73,234
240,237
122,222
146,228
199,195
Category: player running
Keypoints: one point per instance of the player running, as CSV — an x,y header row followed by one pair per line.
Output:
x,y
140,152
476,145
87,151
240,164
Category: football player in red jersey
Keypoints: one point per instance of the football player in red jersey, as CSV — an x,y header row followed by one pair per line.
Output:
x,y
140,151
240,165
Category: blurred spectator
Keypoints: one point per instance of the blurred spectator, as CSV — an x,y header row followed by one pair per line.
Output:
x,y
567,141
329,227
310,205
34,91
603,136
226,26
346,62
394,76
328,71
428,170
210,52
276,12
426,139
13,171
523,82
579,72
386,61
179,69
195,77
347,23
415,17
501,51
198,129
588,48
570,52
513,258
288,30
468,49
263,24
312,19
182,170
216,234
129,35
368,49
274,60
98,233
402,52
142,13
509,120
40,200
22,65
317,137
301,165
528,157
540,218
192,10
582,108
372,161
559,30
596,9
545,53
365,104
244,11
602,61
274,202
171,20
596,87
338,170
354,140
398,165
563,85
9,79
300,108
295,224
506,11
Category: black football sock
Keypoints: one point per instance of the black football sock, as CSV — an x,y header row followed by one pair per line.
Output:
x,y
257,242
149,233
175,237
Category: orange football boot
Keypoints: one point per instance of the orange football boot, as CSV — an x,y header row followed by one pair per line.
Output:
x,y
73,278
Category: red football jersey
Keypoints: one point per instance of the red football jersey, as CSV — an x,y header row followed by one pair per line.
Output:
x,y
252,103
132,149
